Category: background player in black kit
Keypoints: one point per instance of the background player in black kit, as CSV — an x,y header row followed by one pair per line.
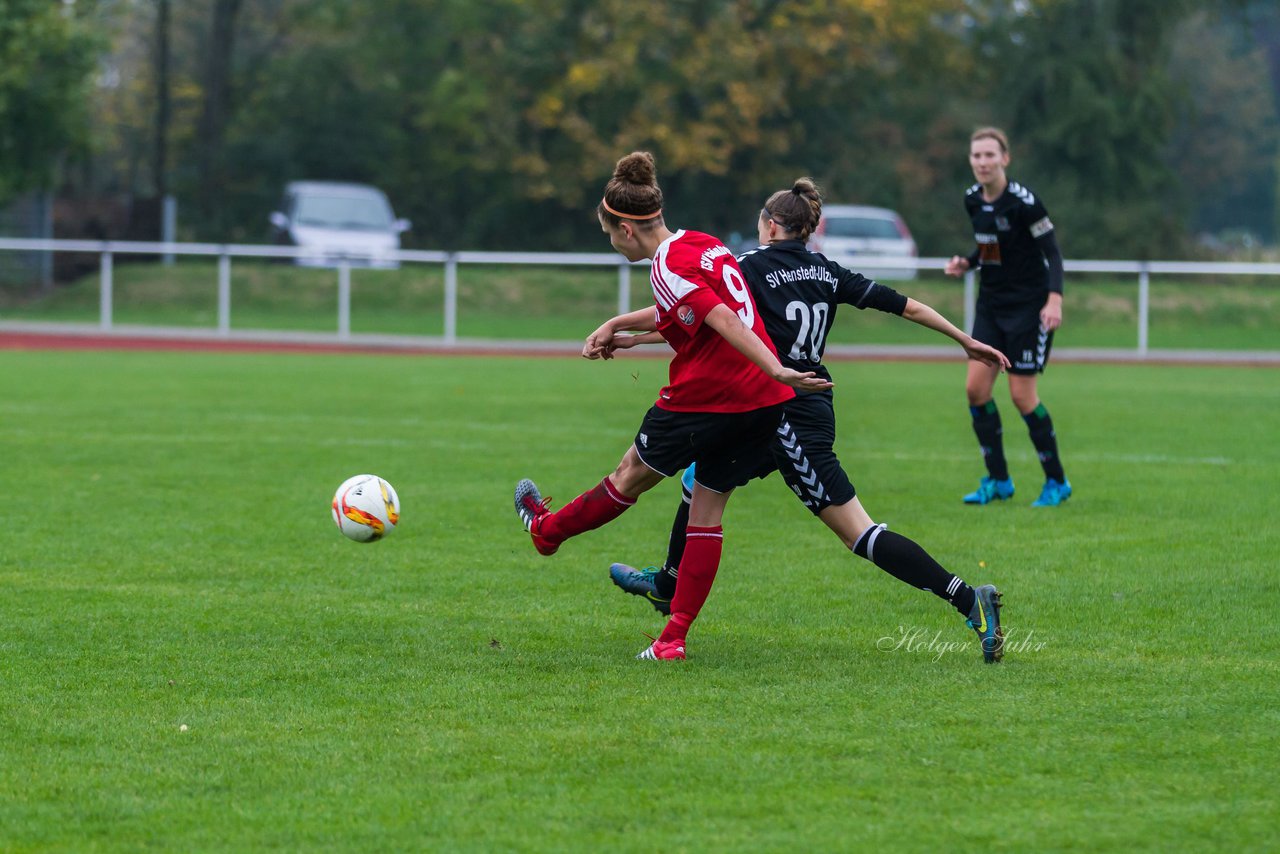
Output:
x,y
1019,307
797,293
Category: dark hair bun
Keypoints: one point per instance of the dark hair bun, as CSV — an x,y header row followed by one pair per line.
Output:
x,y
805,187
637,168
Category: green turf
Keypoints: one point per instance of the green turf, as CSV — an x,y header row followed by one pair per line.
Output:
x,y
566,303
169,560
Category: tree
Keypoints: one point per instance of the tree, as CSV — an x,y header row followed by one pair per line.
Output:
x,y
45,61
217,104
1265,18
735,98
160,164
1084,86
499,121
494,124
1224,145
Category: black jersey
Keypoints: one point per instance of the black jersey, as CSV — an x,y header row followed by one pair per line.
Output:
x,y
1008,232
797,291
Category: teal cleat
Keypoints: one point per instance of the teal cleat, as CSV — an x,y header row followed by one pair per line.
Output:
x,y
639,582
990,490
1053,494
985,620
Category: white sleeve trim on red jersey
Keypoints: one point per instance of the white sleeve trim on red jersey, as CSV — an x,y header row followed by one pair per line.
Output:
x,y
668,287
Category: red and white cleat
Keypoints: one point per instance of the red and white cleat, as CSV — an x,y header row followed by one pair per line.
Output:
x,y
531,507
663,651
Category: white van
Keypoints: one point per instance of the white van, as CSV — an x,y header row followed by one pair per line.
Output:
x,y
857,236
338,222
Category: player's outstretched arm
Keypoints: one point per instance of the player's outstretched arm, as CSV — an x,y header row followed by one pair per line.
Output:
x,y
601,343
918,312
723,320
626,341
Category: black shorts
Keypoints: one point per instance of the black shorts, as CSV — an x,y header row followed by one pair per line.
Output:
x,y
728,447
804,453
1018,334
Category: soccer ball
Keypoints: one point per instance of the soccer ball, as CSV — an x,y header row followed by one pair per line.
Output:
x,y
366,508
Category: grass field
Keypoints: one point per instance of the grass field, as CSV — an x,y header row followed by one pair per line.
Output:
x,y
169,562
552,303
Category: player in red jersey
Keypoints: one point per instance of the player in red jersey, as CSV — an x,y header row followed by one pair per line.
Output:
x,y
720,408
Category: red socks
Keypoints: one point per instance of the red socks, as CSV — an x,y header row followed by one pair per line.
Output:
x,y
593,508
697,573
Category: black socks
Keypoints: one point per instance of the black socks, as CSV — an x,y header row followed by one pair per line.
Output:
x,y
906,561
1046,441
986,425
665,581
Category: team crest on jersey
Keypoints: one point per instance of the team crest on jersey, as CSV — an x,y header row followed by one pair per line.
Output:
x,y
1002,223
685,315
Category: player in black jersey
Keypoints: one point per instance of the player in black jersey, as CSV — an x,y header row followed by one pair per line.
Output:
x,y
797,293
1019,307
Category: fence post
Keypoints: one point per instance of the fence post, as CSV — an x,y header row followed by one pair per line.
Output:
x,y
451,299
970,300
344,300
1144,305
224,293
624,288
168,226
104,291
46,232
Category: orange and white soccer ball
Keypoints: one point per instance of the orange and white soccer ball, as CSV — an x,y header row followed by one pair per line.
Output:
x,y
366,508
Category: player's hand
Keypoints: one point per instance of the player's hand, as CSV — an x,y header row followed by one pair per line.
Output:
x,y
957,266
806,381
619,342
1051,314
599,344
625,342
594,352
986,354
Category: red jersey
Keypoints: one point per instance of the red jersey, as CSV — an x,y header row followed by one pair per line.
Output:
x,y
692,274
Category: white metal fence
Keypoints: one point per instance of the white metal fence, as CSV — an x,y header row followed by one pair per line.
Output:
x,y
107,250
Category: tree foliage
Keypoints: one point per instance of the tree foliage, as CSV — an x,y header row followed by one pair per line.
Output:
x,y
1091,107
1226,140
45,61
495,124
499,122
